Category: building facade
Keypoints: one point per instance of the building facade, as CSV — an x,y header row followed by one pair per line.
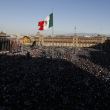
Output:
x,y
2,34
73,41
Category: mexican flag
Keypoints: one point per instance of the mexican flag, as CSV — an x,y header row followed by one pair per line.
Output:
x,y
47,23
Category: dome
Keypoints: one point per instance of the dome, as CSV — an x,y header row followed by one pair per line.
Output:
x,y
38,33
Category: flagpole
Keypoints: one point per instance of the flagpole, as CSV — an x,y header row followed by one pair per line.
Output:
x,y
100,34
52,38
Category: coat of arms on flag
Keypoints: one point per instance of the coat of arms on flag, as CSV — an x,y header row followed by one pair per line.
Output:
x,y
45,23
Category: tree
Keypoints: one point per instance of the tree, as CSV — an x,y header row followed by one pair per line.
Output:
x,y
98,35
26,37
49,36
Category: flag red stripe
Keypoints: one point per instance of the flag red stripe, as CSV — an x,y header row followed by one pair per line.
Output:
x,y
41,24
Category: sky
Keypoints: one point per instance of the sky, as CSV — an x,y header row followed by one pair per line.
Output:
x,y
22,16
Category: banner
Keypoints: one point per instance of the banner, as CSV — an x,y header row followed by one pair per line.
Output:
x,y
16,45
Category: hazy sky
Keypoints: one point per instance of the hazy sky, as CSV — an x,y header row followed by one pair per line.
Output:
x,y
22,16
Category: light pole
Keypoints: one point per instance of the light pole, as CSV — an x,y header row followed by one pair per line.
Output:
x,y
53,38
101,46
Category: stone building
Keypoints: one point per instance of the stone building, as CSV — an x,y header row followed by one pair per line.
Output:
x,y
38,33
73,41
21,40
27,40
2,34
5,44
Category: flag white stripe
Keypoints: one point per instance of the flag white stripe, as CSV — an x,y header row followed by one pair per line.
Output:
x,y
46,26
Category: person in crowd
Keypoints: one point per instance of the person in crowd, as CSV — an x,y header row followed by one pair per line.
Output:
x,y
67,82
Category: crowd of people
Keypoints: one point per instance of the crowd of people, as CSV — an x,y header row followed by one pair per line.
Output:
x,y
55,79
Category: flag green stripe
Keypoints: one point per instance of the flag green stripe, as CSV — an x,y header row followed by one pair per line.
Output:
x,y
51,20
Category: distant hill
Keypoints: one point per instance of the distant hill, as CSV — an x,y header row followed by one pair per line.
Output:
x,y
83,34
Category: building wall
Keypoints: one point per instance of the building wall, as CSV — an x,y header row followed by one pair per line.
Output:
x,y
25,40
2,34
21,40
74,41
